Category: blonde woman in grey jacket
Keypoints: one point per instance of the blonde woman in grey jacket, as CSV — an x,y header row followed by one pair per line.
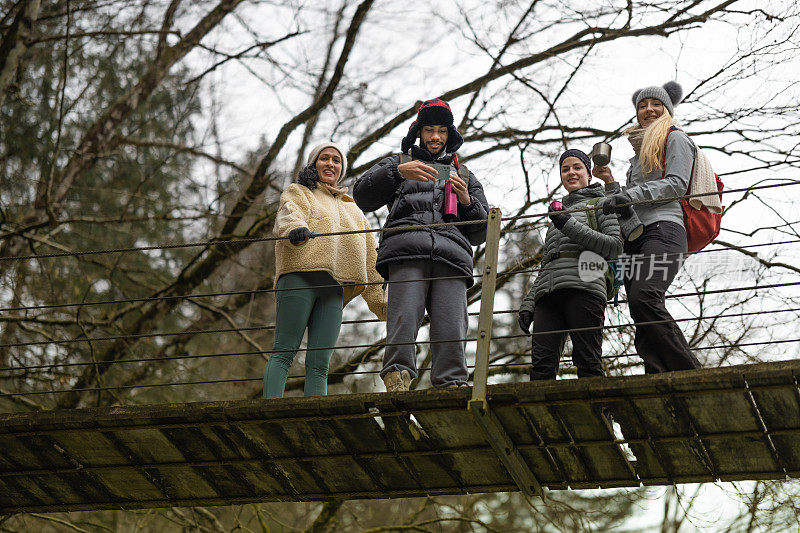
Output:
x,y
562,297
660,172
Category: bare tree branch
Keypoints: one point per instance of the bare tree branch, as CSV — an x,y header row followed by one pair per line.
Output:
x,y
15,42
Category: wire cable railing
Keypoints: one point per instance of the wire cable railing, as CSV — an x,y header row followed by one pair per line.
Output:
x,y
250,240
366,283
563,359
416,227
362,321
352,346
350,373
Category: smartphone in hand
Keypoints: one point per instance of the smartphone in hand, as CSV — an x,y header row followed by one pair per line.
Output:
x,y
442,170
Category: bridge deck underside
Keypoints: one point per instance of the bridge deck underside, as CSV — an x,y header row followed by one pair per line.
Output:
x,y
734,423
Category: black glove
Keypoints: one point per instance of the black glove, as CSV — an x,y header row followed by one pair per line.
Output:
x,y
611,204
558,218
525,318
298,235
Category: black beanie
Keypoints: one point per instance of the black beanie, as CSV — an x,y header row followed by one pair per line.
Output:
x,y
572,152
434,112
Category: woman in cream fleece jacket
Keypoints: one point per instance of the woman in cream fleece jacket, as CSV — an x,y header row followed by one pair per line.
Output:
x,y
317,274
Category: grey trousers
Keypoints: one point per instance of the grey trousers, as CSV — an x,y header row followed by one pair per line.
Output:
x,y
446,302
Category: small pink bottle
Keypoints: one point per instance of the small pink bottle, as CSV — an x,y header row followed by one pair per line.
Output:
x,y
450,208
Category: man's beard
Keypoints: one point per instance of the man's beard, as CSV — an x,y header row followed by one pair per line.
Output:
x,y
437,153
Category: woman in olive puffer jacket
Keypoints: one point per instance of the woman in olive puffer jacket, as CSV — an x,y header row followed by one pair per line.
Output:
x,y
564,296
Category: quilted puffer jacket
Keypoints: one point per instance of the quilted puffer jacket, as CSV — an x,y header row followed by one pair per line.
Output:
x,y
414,203
576,237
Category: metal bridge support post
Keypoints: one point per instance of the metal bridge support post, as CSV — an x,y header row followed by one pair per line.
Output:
x,y
486,316
502,444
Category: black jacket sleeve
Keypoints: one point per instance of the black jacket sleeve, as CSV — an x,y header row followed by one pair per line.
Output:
x,y
478,209
377,186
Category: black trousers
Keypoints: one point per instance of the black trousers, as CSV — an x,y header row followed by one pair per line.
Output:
x,y
567,309
654,261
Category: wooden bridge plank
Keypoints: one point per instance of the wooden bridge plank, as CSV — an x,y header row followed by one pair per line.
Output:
x,y
405,434
605,462
680,456
129,485
92,448
525,432
457,429
307,473
17,454
736,456
14,493
149,444
650,465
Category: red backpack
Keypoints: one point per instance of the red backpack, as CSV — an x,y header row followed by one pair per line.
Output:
x,y
702,226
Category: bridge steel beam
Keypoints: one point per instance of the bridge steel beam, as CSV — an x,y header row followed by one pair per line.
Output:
x,y
502,444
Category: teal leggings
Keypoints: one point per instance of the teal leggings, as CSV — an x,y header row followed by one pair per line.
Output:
x,y
308,305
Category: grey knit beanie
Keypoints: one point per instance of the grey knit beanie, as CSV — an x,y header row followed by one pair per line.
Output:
x,y
314,154
669,94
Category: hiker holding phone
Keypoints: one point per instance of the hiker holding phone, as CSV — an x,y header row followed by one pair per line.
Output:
x,y
429,267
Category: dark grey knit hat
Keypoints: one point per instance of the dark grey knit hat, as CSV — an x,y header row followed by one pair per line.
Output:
x,y
572,152
669,94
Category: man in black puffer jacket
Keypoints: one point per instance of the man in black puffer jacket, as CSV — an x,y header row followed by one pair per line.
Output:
x,y
414,196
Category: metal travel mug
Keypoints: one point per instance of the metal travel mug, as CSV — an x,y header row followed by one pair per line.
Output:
x,y
601,154
450,208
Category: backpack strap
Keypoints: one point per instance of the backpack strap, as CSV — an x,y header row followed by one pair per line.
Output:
x,y
463,171
664,161
591,214
664,155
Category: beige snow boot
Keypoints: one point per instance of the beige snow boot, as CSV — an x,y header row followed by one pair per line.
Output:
x,y
397,381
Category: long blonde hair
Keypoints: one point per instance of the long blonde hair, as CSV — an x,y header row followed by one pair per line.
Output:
x,y
651,154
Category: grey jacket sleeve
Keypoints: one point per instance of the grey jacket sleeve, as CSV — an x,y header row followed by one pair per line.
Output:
x,y
527,303
378,185
607,241
478,209
679,161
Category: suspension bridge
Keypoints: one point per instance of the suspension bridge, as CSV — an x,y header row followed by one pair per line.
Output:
x,y
723,424
726,424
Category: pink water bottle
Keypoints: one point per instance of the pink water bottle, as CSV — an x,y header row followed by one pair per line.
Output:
x,y
450,210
